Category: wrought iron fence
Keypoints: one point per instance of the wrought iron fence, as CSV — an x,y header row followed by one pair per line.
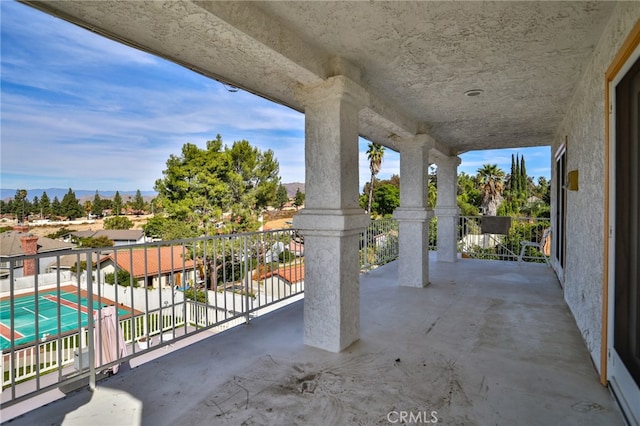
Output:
x,y
478,240
379,244
168,290
163,291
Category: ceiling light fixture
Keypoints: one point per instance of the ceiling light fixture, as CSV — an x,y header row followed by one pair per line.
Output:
x,y
230,88
473,92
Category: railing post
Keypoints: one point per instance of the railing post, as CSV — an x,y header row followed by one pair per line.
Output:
x,y
91,324
246,281
365,250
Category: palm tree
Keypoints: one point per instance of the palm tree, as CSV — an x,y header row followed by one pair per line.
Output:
x,y
375,153
491,182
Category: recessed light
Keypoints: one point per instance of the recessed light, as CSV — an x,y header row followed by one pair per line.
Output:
x,y
473,92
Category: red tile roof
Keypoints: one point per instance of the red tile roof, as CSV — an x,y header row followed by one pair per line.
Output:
x,y
292,274
163,265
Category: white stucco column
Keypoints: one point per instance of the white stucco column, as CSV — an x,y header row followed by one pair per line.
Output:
x,y
413,215
447,210
331,221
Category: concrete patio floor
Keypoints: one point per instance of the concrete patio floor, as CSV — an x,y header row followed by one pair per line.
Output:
x,y
487,343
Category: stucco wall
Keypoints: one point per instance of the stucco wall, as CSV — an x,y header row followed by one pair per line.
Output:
x,y
584,129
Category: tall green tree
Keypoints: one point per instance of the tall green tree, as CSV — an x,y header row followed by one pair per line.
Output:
x,y
56,208
524,179
253,178
469,196
193,187
117,203
70,206
386,199
281,197
45,205
168,228
375,154
35,205
138,202
517,178
543,190
96,206
201,184
20,204
298,200
491,181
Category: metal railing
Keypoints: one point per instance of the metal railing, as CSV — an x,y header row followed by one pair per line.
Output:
x,y
379,244
164,291
474,243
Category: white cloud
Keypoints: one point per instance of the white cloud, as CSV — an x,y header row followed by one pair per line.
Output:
x,y
94,114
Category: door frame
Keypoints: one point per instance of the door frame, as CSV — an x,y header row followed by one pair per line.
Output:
x,y
624,59
560,229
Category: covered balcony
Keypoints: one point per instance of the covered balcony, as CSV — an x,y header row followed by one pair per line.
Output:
x,y
487,342
473,341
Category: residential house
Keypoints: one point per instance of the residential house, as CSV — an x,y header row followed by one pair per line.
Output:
x,y
283,281
69,261
19,242
120,237
152,266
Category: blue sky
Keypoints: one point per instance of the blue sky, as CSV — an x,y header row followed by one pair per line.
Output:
x,y
80,111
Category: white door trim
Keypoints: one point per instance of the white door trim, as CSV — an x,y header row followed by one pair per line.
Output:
x,y
622,384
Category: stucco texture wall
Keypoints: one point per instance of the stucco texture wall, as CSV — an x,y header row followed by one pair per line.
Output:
x,y
583,126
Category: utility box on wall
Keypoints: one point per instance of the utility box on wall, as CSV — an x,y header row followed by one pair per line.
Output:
x,y
572,180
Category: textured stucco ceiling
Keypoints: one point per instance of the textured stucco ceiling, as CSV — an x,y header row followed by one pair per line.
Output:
x,y
416,59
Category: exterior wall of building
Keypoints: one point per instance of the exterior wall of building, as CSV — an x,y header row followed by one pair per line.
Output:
x,y
583,127
155,282
140,240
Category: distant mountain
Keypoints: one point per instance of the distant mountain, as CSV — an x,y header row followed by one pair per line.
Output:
x,y
85,194
291,188
6,193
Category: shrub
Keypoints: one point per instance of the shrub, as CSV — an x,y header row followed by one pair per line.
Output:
x,y
118,222
124,278
286,257
198,296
